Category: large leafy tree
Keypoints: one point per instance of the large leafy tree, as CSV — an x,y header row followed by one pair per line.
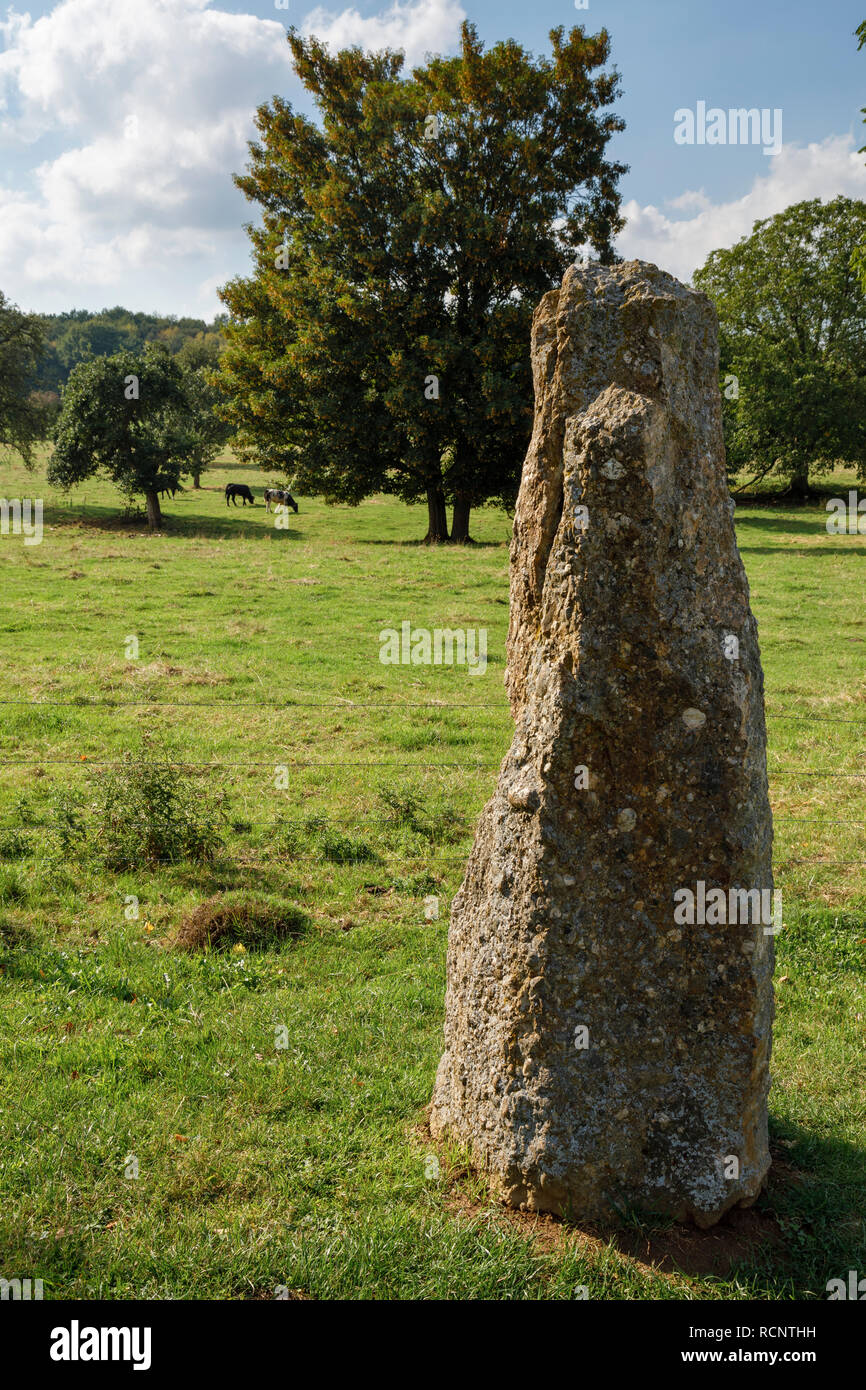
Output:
x,y
382,342
792,317
23,417
126,416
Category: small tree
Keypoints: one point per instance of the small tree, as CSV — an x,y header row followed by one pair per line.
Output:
x,y
210,433
24,417
198,358
146,808
126,415
792,318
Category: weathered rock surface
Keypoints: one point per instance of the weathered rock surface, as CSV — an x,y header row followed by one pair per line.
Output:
x,y
599,1053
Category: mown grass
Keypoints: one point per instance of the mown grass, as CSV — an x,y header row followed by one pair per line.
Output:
x,y
270,1091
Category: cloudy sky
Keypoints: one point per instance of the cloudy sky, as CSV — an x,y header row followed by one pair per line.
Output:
x,y
121,122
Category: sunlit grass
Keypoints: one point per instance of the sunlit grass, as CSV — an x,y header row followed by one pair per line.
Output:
x,y
350,791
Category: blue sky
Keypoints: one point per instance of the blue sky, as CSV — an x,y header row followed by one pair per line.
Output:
x,y
122,120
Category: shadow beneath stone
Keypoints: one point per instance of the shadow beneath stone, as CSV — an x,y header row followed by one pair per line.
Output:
x,y
682,1249
814,524
807,1226
673,1248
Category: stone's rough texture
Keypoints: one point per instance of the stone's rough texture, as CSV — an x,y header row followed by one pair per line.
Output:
x,y
598,1055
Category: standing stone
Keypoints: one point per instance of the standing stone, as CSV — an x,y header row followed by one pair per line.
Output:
x,y
606,1047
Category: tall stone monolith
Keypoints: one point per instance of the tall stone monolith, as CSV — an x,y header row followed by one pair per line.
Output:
x,y
610,953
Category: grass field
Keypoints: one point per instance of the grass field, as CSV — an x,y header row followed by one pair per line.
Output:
x,y
270,1095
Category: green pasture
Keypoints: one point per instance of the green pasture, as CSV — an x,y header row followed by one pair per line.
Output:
x,y
271,1095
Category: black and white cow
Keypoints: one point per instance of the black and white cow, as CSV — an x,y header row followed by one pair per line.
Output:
x,y
279,494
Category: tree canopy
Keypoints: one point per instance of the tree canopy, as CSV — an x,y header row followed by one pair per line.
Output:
x,y
127,416
197,357
792,317
382,342
22,415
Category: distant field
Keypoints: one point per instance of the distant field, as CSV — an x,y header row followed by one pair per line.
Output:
x,y
305,1166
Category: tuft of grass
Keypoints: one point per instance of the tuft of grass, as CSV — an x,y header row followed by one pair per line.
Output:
x,y
14,844
316,836
228,920
13,888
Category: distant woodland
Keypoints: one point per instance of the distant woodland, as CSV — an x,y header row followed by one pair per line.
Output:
x,y
79,334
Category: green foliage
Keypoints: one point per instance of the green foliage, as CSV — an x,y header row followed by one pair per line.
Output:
x,y
441,823
317,835
146,811
410,237
12,886
402,808
14,844
78,335
858,259
24,417
127,415
210,433
68,821
792,318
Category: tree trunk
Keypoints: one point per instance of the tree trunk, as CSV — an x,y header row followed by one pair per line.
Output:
x,y
154,515
798,488
437,517
196,479
460,520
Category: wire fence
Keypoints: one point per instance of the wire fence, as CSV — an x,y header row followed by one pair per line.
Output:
x,y
344,703
290,701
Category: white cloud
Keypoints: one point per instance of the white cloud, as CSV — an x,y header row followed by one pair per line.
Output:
x,y
680,245
151,105
695,200
417,27
90,63
133,115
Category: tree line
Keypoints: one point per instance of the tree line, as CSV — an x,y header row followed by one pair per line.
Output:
x,y
78,335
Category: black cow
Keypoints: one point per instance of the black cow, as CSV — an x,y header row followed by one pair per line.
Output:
x,y
236,490
279,494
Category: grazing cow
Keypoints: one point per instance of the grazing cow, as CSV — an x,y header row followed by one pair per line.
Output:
x,y
279,494
236,490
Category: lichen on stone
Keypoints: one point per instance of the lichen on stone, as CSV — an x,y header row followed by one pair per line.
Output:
x,y
564,925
